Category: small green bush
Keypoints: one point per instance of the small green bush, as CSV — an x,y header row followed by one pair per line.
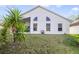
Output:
x,y
72,40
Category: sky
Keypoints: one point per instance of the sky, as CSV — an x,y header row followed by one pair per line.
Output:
x,y
63,10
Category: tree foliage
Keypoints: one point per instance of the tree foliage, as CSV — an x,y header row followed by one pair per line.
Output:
x,y
13,24
74,17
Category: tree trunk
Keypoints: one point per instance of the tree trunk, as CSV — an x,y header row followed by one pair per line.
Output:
x,y
14,34
14,38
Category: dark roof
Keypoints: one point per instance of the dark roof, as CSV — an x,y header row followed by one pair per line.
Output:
x,y
75,23
48,11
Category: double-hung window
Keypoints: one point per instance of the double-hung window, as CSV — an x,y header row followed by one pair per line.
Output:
x,y
47,26
60,27
35,27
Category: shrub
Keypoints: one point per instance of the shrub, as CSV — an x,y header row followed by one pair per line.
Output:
x,y
72,40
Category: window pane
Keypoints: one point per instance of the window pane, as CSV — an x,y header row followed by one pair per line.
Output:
x,y
48,27
35,19
35,27
60,27
47,19
27,19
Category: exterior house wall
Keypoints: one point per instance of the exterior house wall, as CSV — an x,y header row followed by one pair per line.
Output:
x,y
74,30
54,20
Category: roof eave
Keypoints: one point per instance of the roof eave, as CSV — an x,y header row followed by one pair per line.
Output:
x,y
48,11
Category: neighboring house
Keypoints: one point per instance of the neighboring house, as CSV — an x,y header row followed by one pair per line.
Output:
x,y
42,21
74,27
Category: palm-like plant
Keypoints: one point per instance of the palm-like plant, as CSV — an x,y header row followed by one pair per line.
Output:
x,y
13,22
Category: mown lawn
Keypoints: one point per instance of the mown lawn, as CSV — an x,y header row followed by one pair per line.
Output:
x,y
42,44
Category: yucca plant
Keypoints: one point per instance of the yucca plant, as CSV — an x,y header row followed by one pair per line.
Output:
x,y
13,23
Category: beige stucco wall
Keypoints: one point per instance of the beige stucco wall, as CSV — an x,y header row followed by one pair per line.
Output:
x,y
74,30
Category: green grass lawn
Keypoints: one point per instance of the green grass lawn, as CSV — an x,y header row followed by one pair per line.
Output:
x,y
41,44
48,44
